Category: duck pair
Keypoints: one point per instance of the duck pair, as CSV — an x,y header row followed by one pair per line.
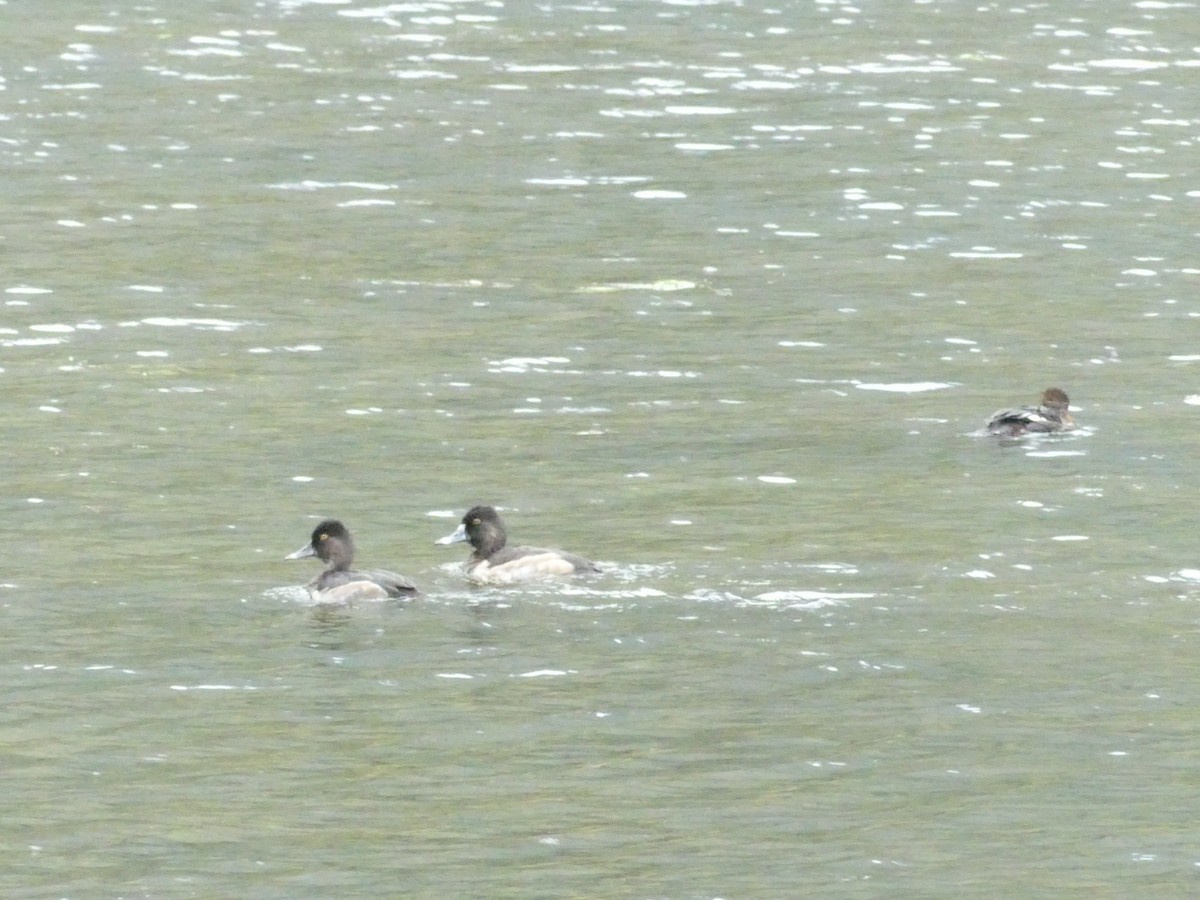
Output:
x,y
492,561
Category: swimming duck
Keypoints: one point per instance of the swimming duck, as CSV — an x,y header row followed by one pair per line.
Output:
x,y
1050,416
332,544
495,563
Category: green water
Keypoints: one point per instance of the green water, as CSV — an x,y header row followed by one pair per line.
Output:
x,y
713,294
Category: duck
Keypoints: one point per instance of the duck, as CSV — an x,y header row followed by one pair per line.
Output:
x,y
331,543
1049,416
494,562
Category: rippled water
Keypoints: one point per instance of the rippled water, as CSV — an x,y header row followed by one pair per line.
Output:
x,y
716,294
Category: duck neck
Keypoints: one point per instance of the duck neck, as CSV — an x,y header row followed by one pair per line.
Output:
x,y
491,541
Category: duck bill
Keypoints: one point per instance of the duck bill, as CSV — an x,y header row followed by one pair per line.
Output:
x,y
305,551
459,536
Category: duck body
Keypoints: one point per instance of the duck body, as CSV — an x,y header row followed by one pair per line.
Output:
x,y
341,584
494,562
1049,416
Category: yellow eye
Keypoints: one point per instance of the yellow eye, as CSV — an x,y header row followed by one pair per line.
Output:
x,y
323,537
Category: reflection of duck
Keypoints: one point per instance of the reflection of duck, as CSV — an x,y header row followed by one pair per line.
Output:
x,y
1050,416
331,543
496,563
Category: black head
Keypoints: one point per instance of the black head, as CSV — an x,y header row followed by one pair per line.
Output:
x,y
477,515
485,529
330,541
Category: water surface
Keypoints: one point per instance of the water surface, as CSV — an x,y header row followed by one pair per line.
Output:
x,y
712,293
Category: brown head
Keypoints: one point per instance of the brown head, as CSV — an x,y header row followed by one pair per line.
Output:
x,y
1055,399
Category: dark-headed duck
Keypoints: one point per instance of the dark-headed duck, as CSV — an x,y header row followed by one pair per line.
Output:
x,y
1050,416
331,543
493,562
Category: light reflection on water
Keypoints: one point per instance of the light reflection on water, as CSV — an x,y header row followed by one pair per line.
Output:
x,y
716,294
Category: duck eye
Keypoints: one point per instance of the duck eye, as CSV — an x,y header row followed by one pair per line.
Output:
x,y
323,537
477,521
